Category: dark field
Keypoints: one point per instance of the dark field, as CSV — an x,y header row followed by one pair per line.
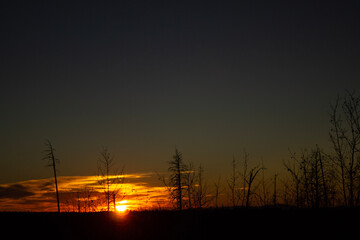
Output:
x,y
337,223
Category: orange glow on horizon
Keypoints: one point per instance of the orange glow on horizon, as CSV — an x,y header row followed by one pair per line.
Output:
x,y
84,194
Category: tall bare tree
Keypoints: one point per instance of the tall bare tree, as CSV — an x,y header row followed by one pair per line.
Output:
x,y
243,178
50,157
295,171
189,184
264,197
110,178
250,180
324,182
177,169
217,191
233,182
201,193
275,194
345,138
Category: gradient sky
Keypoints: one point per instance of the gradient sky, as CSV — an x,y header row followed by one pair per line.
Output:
x,y
143,76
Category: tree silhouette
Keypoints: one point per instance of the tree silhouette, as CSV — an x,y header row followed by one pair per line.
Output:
x,y
189,184
311,175
345,138
232,183
250,180
217,191
110,178
177,168
50,157
201,193
294,170
274,194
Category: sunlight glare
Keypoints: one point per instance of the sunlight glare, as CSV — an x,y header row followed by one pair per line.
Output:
x,y
122,207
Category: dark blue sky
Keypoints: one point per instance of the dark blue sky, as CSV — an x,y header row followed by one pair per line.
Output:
x,y
140,77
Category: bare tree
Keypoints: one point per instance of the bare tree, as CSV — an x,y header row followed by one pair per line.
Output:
x,y
217,191
250,180
264,188
241,183
345,138
201,193
177,169
286,194
294,170
320,157
50,157
189,183
109,177
275,194
311,175
244,176
118,194
336,136
87,194
232,183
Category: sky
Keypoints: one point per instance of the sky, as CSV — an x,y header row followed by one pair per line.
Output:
x,y
211,78
138,191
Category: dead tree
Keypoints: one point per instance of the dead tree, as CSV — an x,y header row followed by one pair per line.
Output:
x,y
217,191
250,180
264,188
50,157
177,169
201,193
189,184
275,194
310,174
345,138
109,178
232,183
295,172
244,176
320,156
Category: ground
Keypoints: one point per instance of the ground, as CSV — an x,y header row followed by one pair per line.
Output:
x,y
190,224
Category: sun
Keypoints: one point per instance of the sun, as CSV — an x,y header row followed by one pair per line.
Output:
x,y
121,207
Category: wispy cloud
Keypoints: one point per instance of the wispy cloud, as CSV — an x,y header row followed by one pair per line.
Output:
x,y
140,191
14,191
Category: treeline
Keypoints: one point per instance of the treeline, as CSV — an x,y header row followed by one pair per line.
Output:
x,y
314,178
330,178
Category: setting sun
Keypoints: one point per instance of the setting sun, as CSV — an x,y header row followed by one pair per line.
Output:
x,y
121,207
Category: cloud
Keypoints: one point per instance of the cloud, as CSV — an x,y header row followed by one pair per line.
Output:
x,y
14,191
46,185
141,190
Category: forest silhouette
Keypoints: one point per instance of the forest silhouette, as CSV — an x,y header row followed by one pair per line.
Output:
x,y
313,178
317,195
